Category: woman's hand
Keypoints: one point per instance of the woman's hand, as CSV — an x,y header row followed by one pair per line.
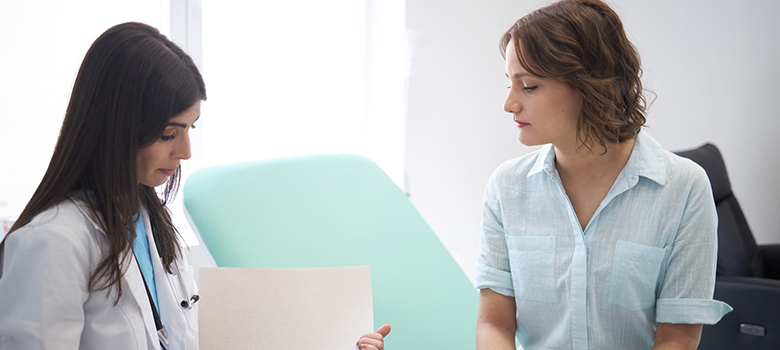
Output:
x,y
374,341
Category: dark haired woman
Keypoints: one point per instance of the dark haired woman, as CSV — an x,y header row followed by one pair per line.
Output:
x,y
93,261
601,239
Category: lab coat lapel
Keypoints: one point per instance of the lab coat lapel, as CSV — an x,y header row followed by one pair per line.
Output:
x,y
131,278
170,313
137,290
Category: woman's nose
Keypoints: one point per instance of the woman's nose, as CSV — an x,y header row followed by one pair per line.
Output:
x,y
511,104
182,150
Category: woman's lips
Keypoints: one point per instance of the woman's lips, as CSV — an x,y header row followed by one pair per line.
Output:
x,y
168,172
521,124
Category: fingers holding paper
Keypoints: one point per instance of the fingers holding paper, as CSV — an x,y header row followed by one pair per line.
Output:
x,y
375,340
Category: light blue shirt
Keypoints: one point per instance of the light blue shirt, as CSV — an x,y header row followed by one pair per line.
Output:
x,y
142,254
647,255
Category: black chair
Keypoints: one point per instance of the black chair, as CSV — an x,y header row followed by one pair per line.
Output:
x,y
748,275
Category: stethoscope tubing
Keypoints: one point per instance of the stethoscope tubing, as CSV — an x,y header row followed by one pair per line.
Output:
x,y
185,301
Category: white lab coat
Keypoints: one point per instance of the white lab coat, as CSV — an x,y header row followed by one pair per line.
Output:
x,y
45,303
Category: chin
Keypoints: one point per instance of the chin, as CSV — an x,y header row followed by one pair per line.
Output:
x,y
527,142
154,183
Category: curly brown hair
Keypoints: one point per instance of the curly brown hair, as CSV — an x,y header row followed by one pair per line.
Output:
x,y
582,43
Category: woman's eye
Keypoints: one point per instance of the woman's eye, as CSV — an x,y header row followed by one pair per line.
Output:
x,y
530,88
168,137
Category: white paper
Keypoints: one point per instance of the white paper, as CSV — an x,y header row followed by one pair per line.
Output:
x,y
284,308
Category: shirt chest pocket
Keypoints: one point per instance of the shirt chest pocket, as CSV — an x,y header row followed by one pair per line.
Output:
x,y
532,262
636,270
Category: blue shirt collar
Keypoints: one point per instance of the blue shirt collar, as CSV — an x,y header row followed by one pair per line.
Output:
x,y
545,161
646,160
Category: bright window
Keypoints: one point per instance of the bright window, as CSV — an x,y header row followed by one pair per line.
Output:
x,y
283,79
43,43
294,78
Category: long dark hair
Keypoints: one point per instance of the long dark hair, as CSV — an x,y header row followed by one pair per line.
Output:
x,y
583,44
131,82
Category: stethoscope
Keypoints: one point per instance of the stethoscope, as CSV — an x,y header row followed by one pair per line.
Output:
x,y
186,303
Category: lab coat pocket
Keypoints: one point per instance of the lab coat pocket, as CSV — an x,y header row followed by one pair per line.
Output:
x,y
635,272
532,261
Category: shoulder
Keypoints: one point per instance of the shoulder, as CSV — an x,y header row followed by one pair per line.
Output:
x,y
518,167
62,225
513,175
682,171
666,167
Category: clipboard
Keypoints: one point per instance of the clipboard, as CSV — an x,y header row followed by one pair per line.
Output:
x,y
284,308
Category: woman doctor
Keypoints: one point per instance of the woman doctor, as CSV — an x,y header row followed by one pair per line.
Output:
x,y
93,261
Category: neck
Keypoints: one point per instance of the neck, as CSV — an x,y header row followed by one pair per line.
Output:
x,y
584,162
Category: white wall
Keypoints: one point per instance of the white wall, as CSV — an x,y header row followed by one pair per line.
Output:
x,y
711,64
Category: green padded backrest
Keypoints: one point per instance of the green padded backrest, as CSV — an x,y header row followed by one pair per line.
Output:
x,y
338,210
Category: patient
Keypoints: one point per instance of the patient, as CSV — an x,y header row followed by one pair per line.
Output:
x,y
601,239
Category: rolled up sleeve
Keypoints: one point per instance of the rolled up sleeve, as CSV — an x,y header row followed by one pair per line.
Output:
x,y
689,283
493,265
691,311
